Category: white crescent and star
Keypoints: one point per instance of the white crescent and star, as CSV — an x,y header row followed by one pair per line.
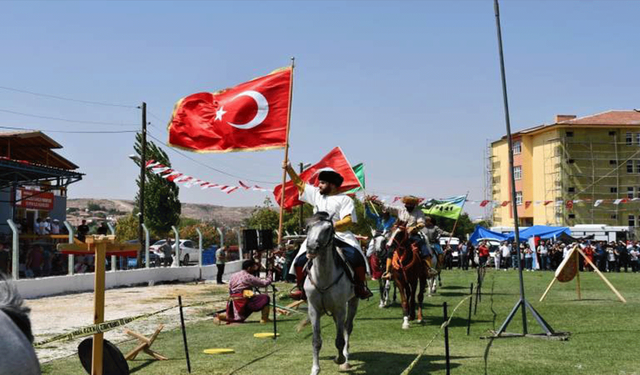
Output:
x,y
261,115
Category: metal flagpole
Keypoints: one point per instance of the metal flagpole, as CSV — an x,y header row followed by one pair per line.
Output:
x,y
522,303
286,155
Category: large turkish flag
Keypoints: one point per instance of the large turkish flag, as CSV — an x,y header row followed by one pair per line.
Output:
x,y
249,117
334,159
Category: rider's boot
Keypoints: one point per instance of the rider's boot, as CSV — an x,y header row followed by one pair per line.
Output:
x,y
387,274
361,289
299,294
265,315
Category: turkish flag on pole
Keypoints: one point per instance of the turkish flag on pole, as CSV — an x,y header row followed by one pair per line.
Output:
x,y
334,159
249,117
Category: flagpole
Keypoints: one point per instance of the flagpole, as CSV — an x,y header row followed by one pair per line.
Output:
x,y
286,155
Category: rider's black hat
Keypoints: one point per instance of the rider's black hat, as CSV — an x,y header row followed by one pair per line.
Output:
x,y
331,176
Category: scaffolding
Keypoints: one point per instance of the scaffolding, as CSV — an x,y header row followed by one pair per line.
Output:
x,y
591,164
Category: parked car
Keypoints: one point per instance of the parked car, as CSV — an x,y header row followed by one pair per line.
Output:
x,y
132,262
494,245
189,252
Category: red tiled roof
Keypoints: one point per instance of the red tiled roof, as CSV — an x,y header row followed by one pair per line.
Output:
x,y
611,118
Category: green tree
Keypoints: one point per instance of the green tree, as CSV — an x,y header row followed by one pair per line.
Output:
x,y
209,234
463,228
161,204
127,228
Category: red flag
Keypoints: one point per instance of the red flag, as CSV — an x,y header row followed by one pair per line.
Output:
x,y
527,204
484,203
505,203
249,117
334,159
546,203
569,205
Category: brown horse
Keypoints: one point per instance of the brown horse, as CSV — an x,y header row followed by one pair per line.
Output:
x,y
409,273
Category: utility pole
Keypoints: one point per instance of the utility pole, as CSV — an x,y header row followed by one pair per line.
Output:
x,y
143,167
302,205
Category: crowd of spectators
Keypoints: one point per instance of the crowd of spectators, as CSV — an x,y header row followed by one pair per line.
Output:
x,y
547,255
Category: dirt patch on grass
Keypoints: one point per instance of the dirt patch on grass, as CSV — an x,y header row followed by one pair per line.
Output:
x,y
51,316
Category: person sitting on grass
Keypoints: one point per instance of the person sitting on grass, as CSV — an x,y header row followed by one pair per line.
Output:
x,y
242,299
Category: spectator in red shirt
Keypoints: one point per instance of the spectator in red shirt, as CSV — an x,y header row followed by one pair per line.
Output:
x,y
483,253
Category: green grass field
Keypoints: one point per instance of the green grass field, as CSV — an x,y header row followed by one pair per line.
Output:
x,y
604,335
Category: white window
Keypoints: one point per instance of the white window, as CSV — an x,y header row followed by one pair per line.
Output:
x,y
630,192
517,147
632,220
517,172
518,198
629,139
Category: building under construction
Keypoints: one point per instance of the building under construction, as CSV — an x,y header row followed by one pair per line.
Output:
x,y
570,172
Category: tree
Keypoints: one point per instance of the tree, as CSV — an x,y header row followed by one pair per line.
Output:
x,y
127,228
161,205
209,234
464,226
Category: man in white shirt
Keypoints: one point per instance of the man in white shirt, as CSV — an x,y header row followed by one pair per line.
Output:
x,y
506,255
543,251
55,226
340,207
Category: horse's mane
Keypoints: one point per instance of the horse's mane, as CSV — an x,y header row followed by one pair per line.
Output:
x,y
318,216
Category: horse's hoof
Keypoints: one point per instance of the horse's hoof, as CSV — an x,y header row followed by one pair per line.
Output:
x,y
345,367
405,326
381,305
339,360
419,321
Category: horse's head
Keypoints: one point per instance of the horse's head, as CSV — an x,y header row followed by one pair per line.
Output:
x,y
320,233
379,240
398,237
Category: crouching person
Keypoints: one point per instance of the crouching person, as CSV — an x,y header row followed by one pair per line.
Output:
x,y
242,299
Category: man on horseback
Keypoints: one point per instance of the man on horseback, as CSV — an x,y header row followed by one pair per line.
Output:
x,y
325,198
432,234
414,219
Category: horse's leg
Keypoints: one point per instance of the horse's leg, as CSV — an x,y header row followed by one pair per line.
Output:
x,y
314,317
387,291
395,288
412,299
381,288
352,307
423,281
403,303
338,318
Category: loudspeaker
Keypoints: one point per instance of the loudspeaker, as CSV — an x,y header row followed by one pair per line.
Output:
x,y
266,239
250,239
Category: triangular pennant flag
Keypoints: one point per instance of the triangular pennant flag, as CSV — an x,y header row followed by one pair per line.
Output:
x,y
527,204
597,203
484,203
546,203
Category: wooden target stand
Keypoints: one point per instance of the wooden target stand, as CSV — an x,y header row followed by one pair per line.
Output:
x,y
100,246
569,268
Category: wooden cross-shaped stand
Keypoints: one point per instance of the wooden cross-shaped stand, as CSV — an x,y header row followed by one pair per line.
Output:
x,y
99,246
144,345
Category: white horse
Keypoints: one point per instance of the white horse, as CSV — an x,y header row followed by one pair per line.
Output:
x,y
329,290
379,246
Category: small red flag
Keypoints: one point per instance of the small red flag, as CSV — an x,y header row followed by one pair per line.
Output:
x,y
505,203
249,117
484,203
569,204
546,203
334,159
527,204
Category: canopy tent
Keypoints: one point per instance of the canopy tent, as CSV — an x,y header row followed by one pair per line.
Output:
x,y
543,232
484,233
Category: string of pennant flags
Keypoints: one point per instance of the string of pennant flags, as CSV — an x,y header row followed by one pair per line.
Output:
x,y
187,181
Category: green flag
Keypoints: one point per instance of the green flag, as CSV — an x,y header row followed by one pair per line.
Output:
x,y
359,171
450,207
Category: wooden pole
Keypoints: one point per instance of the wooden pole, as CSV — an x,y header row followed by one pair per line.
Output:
x,y
98,306
602,276
286,155
548,288
578,278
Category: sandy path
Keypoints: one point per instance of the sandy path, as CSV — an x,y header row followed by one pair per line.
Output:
x,y
55,315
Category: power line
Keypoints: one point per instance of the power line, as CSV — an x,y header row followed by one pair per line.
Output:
x,y
72,131
210,167
67,99
64,119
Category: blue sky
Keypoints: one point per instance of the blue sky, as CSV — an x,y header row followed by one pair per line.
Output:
x,y
412,89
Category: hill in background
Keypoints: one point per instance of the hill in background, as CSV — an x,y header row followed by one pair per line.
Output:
x,y
115,208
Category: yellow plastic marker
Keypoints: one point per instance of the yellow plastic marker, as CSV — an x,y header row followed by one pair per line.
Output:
x,y
265,335
219,351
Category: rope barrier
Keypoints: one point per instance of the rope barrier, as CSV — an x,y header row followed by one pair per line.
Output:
x,y
442,326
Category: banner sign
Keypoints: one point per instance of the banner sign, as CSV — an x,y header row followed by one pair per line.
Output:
x,y
34,199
